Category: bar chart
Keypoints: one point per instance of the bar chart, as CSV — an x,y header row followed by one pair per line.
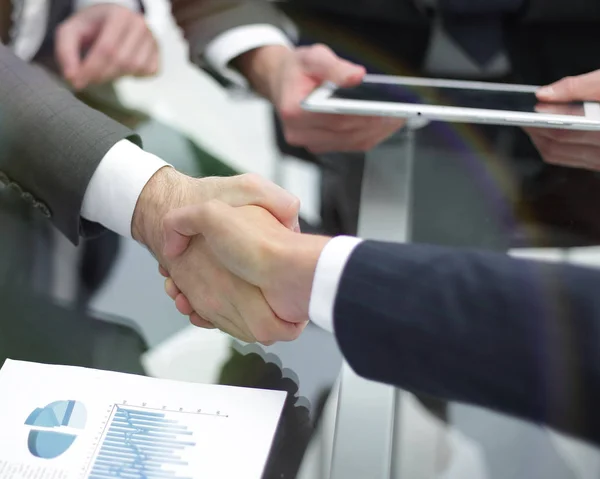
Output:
x,y
143,444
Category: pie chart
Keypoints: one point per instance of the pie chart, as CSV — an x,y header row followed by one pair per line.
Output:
x,y
52,427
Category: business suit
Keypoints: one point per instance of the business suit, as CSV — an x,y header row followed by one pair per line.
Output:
x,y
519,337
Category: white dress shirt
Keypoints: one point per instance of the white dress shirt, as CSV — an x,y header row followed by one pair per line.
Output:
x,y
328,274
116,185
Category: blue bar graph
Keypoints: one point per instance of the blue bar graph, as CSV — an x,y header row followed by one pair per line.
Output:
x,y
141,444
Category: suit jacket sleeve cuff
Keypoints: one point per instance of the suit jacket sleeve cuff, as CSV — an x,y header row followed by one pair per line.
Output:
x,y
233,43
328,274
133,5
116,185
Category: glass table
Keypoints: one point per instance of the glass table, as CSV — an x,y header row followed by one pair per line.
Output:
x,y
468,186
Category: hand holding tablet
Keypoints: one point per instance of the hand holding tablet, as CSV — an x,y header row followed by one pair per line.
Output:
x,y
466,101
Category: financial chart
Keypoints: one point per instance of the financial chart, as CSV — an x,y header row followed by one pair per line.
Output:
x,y
61,422
54,428
145,442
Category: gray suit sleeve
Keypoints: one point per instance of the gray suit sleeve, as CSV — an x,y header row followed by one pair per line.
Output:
x,y
204,20
50,143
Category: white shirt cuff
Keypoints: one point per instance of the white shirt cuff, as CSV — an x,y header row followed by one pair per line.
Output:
x,y
130,4
232,43
116,185
328,274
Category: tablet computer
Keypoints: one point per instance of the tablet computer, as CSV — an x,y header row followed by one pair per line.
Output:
x,y
454,101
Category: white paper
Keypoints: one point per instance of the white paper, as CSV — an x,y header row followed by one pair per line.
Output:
x,y
60,422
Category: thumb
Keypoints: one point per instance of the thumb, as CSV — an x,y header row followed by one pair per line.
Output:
x,y
182,224
250,189
232,236
320,62
583,87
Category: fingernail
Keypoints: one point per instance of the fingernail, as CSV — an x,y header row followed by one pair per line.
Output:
x,y
546,91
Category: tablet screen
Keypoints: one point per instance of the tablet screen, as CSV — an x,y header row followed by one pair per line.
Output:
x,y
456,97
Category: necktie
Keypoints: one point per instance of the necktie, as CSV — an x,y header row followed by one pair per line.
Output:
x,y
5,20
476,25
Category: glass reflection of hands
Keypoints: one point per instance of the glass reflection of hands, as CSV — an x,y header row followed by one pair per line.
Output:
x,y
575,149
570,148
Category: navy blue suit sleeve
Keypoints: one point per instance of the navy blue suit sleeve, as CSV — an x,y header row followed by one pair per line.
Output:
x,y
520,337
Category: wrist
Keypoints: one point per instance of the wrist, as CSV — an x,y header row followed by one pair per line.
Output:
x,y
167,189
261,65
296,264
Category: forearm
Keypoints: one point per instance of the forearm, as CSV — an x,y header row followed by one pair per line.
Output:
x,y
516,336
259,66
50,143
166,190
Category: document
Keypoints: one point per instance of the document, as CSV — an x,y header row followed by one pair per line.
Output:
x,y
62,422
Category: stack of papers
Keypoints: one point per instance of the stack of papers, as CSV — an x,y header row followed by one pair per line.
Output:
x,y
59,422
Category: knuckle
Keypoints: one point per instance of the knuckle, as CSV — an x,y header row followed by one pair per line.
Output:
x,y
108,49
321,49
263,335
289,113
124,62
571,84
295,205
250,181
293,138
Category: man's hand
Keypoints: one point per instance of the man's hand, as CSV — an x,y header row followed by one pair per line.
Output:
x,y
255,247
579,88
104,42
220,298
578,149
574,149
286,77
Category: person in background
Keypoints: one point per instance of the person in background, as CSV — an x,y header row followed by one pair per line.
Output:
x,y
284,50
88,41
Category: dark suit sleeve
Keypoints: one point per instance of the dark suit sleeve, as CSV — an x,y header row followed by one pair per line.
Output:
x,y
517,336
50,143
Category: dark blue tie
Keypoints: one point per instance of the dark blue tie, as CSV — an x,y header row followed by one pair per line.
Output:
x,y
476,25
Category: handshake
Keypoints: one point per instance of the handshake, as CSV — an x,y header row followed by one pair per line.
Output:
x,y
232,253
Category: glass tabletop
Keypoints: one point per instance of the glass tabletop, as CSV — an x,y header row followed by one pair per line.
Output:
x,y
500,188
34,329
505,187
